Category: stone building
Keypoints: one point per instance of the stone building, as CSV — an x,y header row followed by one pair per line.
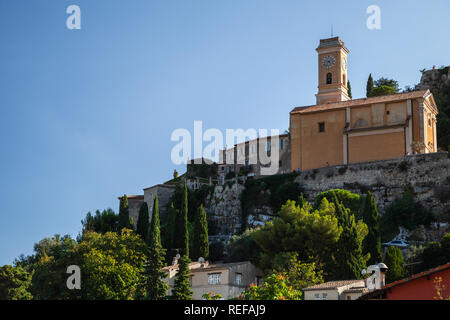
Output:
x,y
164,191
338,130
245,157
336,290
226,279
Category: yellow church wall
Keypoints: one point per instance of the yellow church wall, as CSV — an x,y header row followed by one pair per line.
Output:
x,y
376,146
295,141
318,148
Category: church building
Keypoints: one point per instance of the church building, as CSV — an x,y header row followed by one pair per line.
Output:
x,y
338,130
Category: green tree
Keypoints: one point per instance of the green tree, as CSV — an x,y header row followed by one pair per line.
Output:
x,y
349,256
388,83
143,223
181,226
182,287
299,274
124,215
369,85
436,253
382,91
349,89
242,247
156,288
168,230
394,261
275,287
350,200
101,222
311,234
15,283
370,215
201,243
112,264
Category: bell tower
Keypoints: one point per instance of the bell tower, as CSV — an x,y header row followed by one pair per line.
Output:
x,y
332,58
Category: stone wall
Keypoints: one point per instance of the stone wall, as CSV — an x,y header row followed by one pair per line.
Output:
x,y
427,174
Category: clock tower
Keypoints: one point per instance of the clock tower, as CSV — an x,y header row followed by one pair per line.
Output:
x,y
332,71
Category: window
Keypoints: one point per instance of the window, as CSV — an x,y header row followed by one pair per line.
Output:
x,y
258,280
317,296
238,279
214,278
429,121
252,148
281,144
329,78
324,296
349,298
321,126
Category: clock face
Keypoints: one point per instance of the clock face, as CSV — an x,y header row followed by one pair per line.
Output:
x,y
344,64
328,61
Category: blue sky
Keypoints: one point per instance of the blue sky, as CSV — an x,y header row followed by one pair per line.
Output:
x,y
86,115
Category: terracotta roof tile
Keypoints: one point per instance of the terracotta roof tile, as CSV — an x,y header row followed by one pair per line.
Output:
x,y
362,101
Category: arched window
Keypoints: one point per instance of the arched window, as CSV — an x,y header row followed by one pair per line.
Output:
x,y
329,78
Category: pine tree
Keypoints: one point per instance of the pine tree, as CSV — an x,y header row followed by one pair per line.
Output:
x,y
155,287
124,216
369,86
201,243
182,290
181,240
394,261
372,243
143,223
349,257
349,89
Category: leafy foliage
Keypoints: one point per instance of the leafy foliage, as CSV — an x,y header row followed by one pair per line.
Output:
x,y
394,261
143,223
405,212
350,200
370,215
383,86
273,191
124,215
182,290
311,234
101,222
242,248
14,283
153,275
275,287
200,243
436,253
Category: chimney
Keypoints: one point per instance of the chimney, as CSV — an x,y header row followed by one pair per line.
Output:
x,y
377,278
175,259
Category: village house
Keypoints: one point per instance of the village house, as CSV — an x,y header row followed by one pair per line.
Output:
x,y
245,157
226,279
338,130
336,290
433,284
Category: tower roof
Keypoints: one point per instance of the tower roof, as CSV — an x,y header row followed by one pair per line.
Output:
x,y
330,42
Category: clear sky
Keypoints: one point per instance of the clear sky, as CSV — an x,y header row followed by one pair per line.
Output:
x,y
86,115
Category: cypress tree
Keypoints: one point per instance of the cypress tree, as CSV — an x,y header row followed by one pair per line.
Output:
x,y
349,256
156,288
169,231
124,216
349,89
181,226
394,261
182,290
372,243
143,223
369,86
201,243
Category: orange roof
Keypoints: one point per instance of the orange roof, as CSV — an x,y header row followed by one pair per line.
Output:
x,y
417,276
362,101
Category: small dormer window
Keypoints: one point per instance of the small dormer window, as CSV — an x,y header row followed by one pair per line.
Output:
x,y
329,78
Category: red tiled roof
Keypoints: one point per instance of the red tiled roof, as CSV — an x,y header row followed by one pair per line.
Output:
x,y
362,101
417,276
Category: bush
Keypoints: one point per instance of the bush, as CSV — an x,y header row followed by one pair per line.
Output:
x,y
243,248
